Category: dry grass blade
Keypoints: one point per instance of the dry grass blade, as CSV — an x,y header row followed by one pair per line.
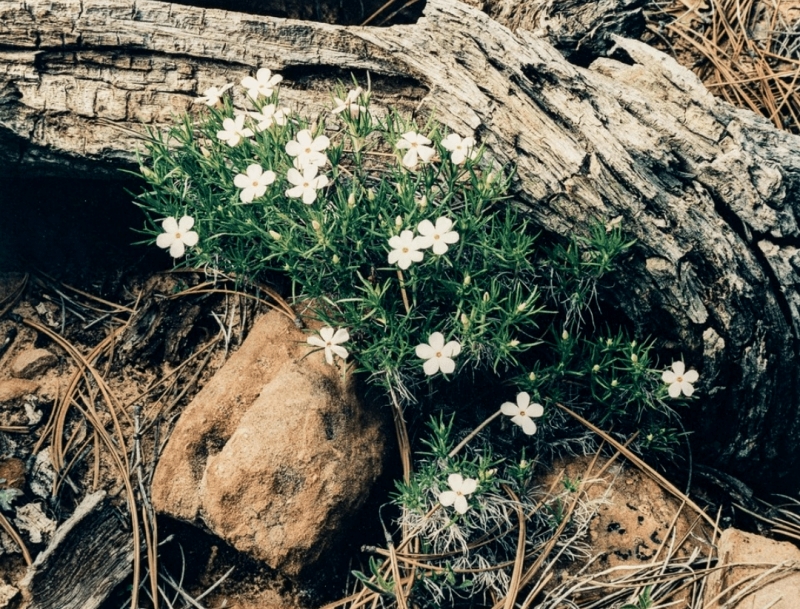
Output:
x,y
117,452
633,458
12,532
745,51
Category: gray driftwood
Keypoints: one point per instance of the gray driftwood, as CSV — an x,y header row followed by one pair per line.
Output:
x,y
711,193
89,555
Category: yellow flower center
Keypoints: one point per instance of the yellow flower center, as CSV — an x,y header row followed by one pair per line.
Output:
x,y
678,379
438,354
405,250
255,183
306,185
177,235
436,237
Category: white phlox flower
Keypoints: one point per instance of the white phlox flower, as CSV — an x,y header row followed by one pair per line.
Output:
x,y
457,495
460,149
212,96
437,236
522,412
268,116
307,150
405,249
418,147
177,235
331,341
233,130
306,184
438,355
263,84
680,380
349,103
253,182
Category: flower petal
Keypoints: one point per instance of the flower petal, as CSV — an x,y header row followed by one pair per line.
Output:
x,y
534,410
410,158
469,486
678,367
446,365
447,498
523,399
177,249
691,376
687,388
342,335
315,340
431,366
674,390
669,376
509,409
190,238
329,356
528,426
326,333
455,481
426,228
340,351
170,225
461,504
436,340
443,224
424,351
452,348
164,240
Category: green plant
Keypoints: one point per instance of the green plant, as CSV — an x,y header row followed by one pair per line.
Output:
x,y
404,240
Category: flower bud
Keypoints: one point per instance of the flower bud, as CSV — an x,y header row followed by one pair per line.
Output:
x,y
486,297
522,306
532,376
336,259
523,464
204,151
513,343
614,383
146,172
274,235
634,358
315,225
465,320
423,202
351,200
609,342
633,344
398,221
596,368
371,194
565,335
467,280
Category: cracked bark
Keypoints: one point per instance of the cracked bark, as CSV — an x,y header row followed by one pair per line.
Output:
x,y
710,192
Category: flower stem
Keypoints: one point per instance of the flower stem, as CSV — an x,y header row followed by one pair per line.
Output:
x,y
403,290
473,433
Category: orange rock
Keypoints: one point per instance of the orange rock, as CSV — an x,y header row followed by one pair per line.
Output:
x,y
274,452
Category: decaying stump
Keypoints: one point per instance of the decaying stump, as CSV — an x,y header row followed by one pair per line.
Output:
x,y
710,192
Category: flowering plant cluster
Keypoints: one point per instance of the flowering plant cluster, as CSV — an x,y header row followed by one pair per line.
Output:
x,y
402,241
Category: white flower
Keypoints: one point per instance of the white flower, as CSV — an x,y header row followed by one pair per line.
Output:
x,y
349,103
330,341
177,234
522,412
405,249
460,149
306,184
212,95
263,84
418,147
307,150
234,130
679,380
457,495
253,182
268,116
438,355
438,236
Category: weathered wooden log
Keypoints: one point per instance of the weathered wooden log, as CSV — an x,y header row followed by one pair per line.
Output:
x,y
710,192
